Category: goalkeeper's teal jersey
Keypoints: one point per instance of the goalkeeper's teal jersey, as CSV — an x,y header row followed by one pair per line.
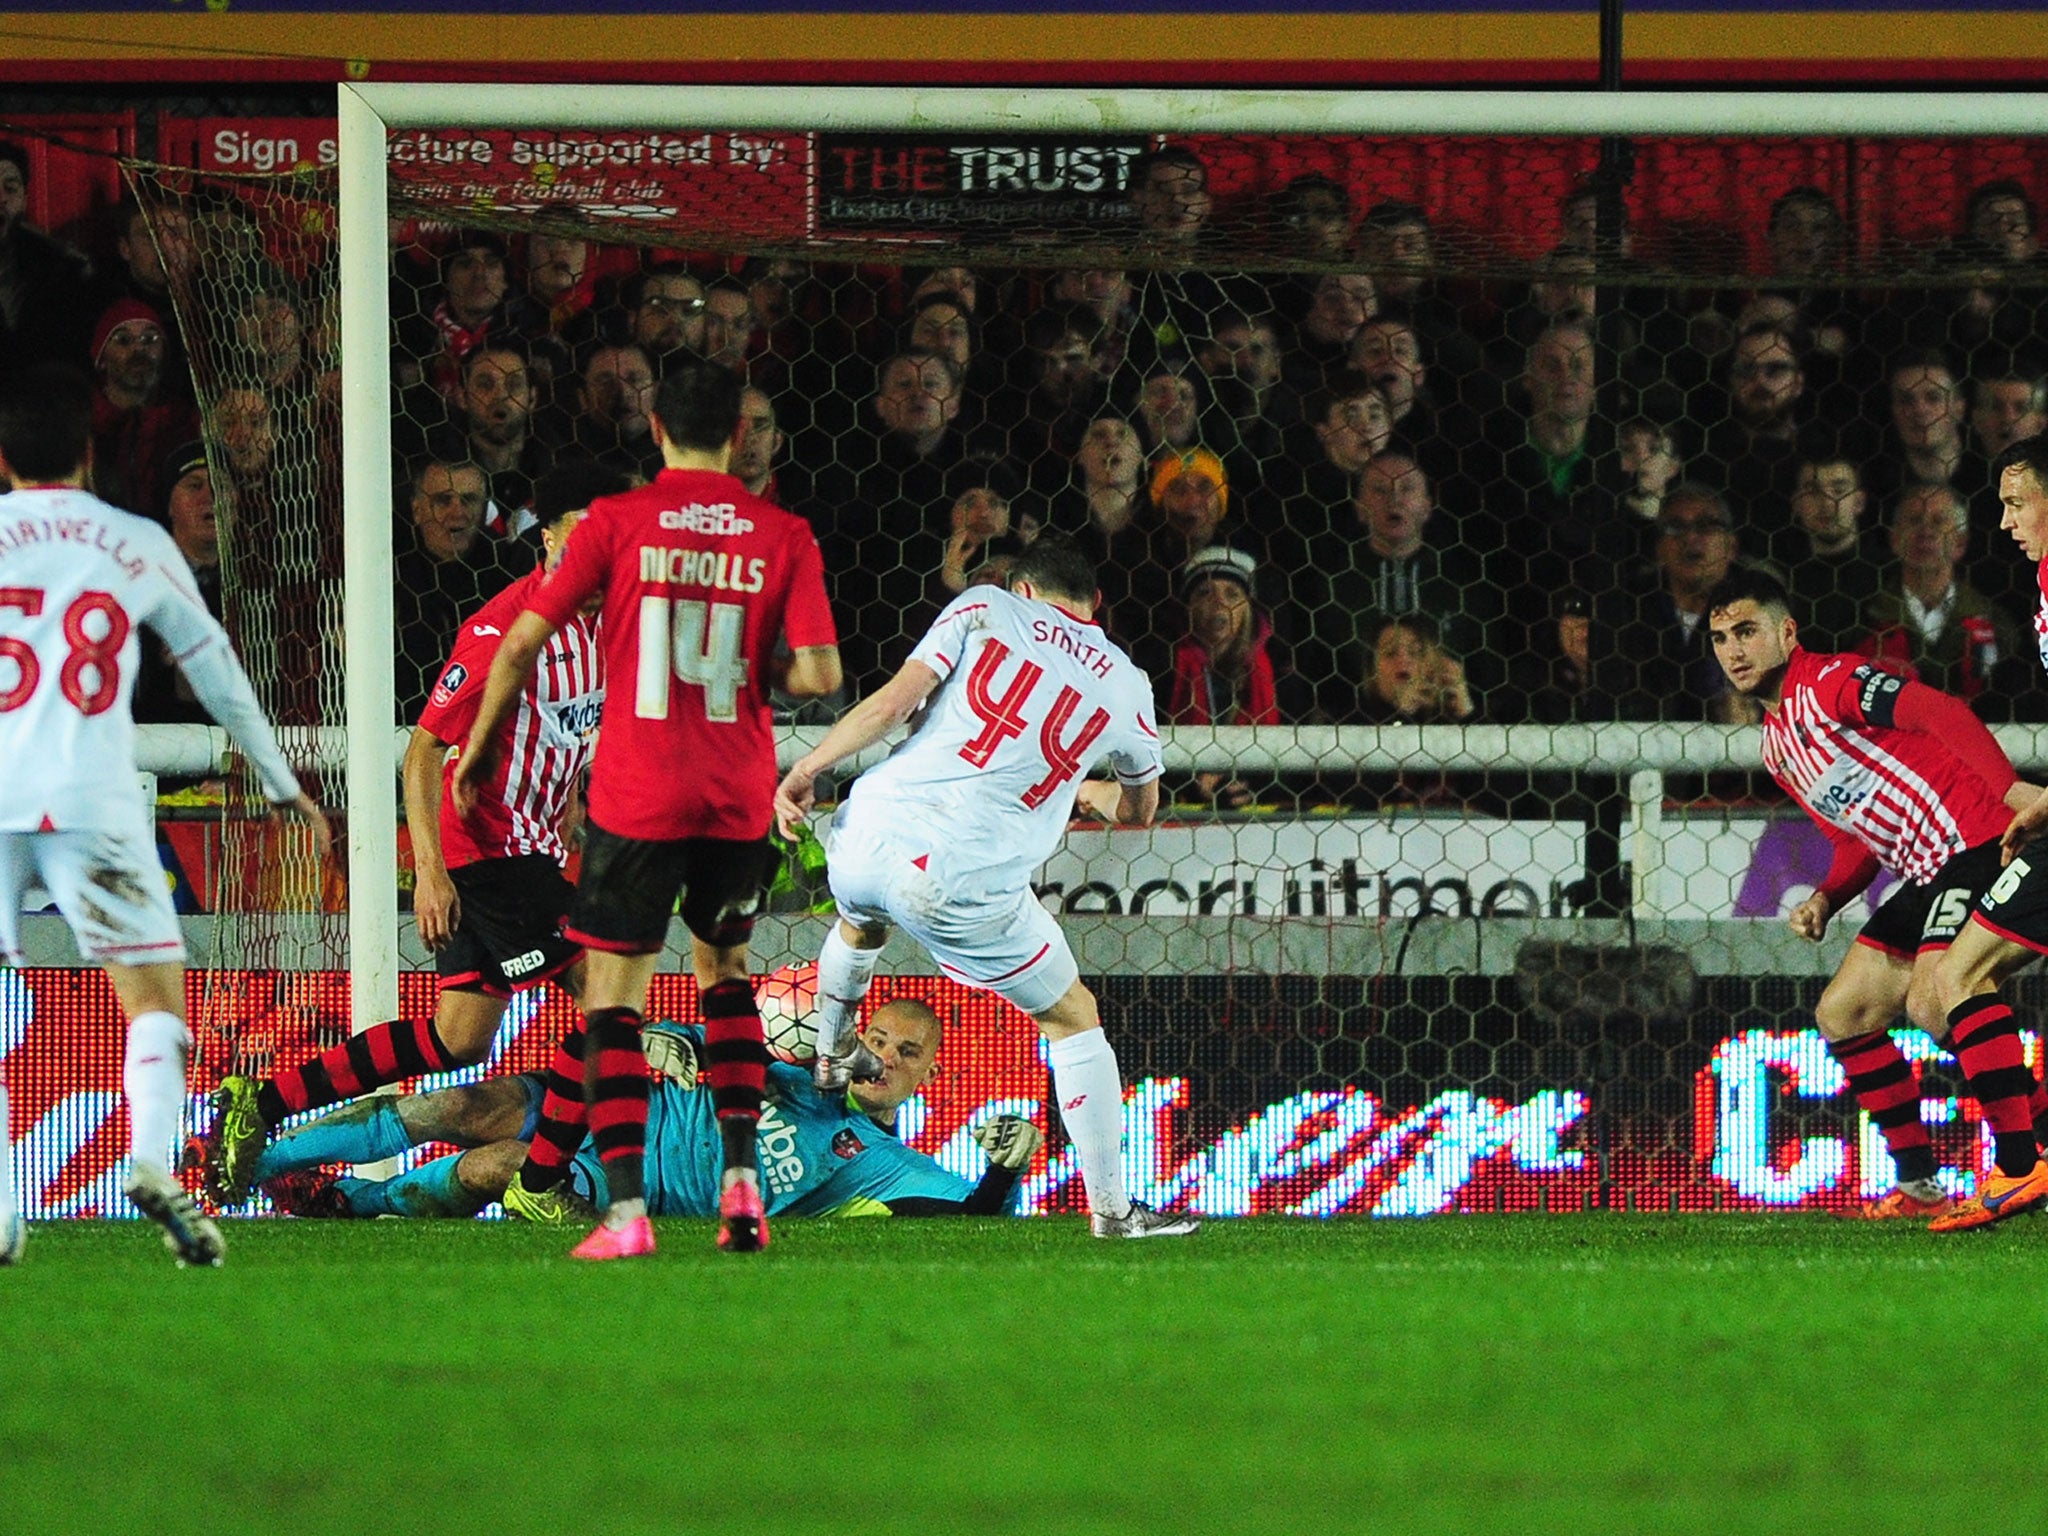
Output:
x,y
818,1158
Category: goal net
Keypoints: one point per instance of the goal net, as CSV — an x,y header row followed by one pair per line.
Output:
x,y
1408,432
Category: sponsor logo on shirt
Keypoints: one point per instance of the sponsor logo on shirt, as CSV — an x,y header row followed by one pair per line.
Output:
x,y
721,519
1837,792
846,1143
451,682
775,1139
480,630
580,718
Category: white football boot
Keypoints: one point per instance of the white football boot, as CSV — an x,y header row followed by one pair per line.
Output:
x,y
1142,1221
188,1231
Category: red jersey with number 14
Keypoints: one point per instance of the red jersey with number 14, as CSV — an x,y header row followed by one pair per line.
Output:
x,y
1905,795
543,746
700,581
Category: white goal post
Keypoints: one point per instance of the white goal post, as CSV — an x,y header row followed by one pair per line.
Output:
x,y
370,112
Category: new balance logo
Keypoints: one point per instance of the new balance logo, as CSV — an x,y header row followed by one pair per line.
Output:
x,y
1076,1101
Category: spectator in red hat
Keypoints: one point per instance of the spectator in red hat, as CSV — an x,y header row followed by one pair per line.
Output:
x,y
134,427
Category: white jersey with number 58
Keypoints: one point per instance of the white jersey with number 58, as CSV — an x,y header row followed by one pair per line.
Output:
x,y
78,579
1029,697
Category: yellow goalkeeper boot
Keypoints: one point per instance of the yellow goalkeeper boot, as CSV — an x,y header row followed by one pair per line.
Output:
x,y
560,1206
237,1141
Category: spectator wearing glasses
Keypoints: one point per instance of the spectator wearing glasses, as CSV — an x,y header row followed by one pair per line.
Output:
x,y
1667,668
1753,450
136,422
1397,245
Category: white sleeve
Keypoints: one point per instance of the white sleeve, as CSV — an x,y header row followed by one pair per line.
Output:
x,y
1139,758
946,641
204,654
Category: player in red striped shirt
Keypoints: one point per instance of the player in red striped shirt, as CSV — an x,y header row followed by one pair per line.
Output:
x,y
712,598
2009,928
490,896
1903,775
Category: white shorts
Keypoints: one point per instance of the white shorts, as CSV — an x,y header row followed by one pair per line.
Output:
x,y
1004,942
110,887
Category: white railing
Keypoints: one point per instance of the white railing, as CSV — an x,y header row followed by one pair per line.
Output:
x,y
1617,748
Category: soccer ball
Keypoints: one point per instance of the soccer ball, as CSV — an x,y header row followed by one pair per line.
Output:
x,y
788,1000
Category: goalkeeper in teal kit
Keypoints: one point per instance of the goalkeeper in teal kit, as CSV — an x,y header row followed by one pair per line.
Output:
x,y
819,1156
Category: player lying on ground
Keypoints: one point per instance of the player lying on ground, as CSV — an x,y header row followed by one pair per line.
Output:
x,y
715,598
1899,774
1022,691
77,578
490,895
2009,928
820,1155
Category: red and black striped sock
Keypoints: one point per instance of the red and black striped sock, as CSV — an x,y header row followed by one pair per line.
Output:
x,y
2037,1106
385,1053
563,1116
1882,1081
615,1087
1986,1042
735,1066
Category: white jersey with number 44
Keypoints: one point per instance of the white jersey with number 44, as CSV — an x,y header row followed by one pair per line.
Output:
x,y
1029,697
78,580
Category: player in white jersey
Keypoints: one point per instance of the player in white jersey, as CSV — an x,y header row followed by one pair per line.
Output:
x,y
77,579
1022,692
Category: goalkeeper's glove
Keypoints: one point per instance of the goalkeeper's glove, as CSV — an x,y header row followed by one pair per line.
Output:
x,y
1009,1141
671,1053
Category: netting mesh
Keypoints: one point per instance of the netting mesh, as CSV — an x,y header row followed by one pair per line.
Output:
x,y
1364,431
249,266
1367,432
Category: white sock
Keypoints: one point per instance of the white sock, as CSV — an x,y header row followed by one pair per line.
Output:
x,y
1091,1099
154,1077
623,1213
8,1206
843,977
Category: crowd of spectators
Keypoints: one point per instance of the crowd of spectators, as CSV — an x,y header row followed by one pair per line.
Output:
x,y
1383,494
1391,492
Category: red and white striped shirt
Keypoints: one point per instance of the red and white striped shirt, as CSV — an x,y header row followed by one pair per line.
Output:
x,y
544,745
1907,796
2041,613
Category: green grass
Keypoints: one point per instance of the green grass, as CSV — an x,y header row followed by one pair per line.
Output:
x,y
1499,1374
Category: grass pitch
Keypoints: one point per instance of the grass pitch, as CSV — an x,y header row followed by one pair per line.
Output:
x,y
1496,1374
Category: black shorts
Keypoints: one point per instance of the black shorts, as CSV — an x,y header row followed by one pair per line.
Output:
x,y
628,887
508,929
1929,916
2015,905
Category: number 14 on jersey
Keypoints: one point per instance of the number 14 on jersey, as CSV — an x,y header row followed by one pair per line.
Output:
x,y
691,641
